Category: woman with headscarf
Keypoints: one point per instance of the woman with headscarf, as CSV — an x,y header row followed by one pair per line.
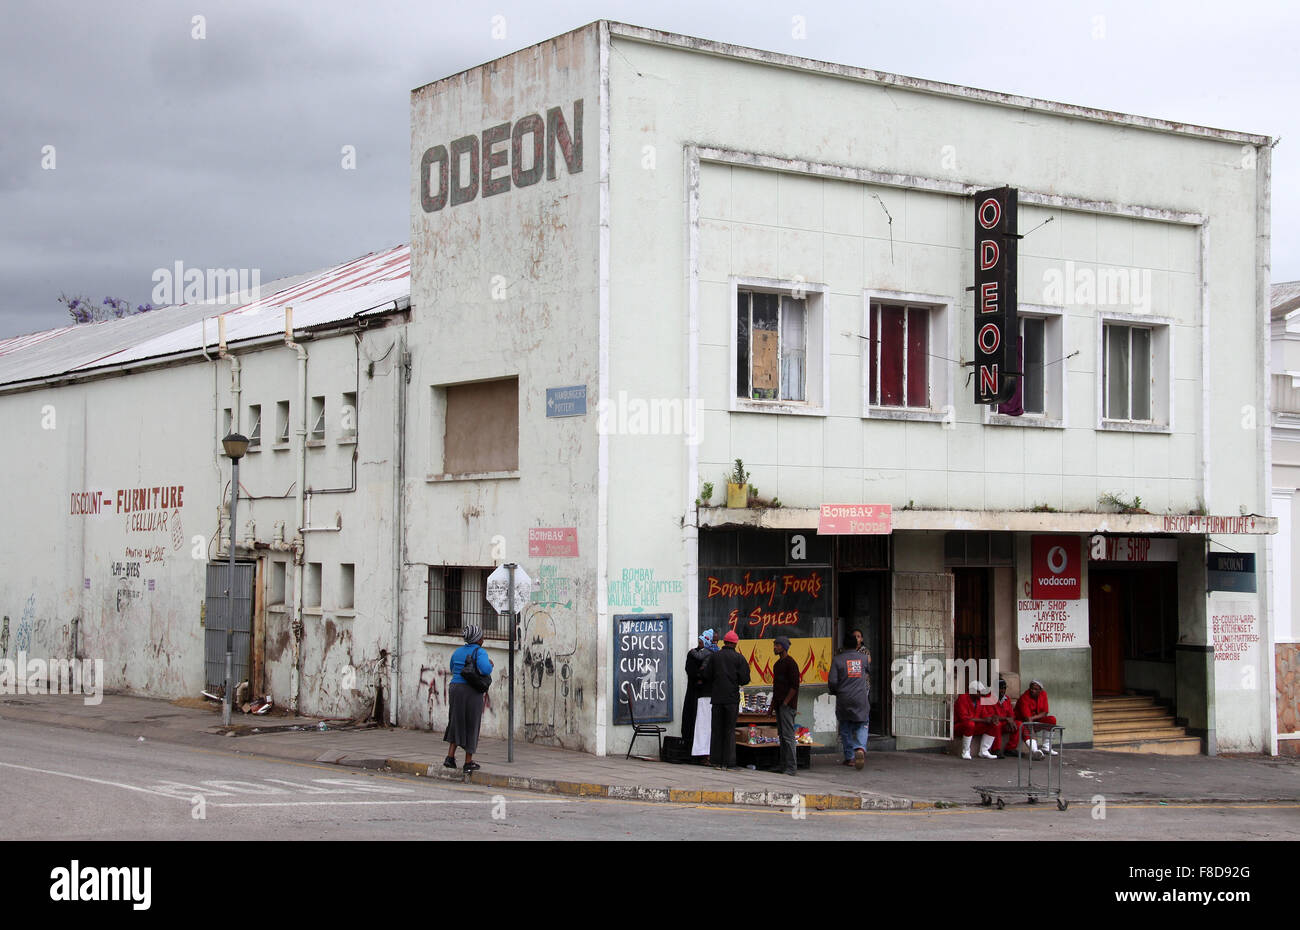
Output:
x,y
466,704
694,686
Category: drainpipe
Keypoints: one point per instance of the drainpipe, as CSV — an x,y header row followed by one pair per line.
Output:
x,y
235,390
299,561
402,370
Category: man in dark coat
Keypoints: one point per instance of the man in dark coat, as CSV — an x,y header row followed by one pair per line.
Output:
x,y
724,673
785,700
694,686
849,683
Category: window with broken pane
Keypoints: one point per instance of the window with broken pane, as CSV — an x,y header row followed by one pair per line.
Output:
x,y
771,346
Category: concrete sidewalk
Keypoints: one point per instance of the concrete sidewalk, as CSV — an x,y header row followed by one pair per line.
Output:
x,y
890,781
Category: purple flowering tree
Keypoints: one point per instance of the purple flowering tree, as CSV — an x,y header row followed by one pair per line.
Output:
x,y
85,310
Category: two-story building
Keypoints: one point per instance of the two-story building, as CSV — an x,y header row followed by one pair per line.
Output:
x,y
746,255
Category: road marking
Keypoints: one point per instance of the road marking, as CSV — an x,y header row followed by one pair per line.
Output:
x,y
409,801
97,781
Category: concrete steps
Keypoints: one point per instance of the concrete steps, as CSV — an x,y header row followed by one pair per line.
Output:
x,y
1132,723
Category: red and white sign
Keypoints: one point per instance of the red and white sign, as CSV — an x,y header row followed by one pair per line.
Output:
x,y
1139,549
1057,568
553,542
855,520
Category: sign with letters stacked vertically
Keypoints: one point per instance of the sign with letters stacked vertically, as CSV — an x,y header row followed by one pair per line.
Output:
x,y
996,328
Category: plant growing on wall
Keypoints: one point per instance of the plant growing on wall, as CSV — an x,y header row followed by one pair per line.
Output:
x,y
1119,503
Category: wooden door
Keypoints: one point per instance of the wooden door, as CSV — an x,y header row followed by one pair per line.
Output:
x,y
1106,630
971,613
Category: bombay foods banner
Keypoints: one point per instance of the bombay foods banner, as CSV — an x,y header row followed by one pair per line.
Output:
x,y
760,604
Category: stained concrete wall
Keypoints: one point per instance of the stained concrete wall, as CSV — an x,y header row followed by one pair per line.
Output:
x,y
340,662
133,577
504,285
136,577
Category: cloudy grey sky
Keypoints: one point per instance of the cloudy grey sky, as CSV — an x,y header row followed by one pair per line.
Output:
x,y
225,151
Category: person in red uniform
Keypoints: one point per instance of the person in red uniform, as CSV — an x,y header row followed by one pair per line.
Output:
x,y
1005,713
970,719
1031,711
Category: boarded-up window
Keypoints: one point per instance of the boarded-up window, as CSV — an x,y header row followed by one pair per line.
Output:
x,y
771,347
482,427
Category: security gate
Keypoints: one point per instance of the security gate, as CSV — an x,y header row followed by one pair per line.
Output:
x,y
217,606
922,625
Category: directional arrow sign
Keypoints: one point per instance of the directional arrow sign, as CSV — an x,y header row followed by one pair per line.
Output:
x,y
498,588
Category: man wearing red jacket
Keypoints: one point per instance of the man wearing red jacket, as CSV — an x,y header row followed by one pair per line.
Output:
x,y
970,718
1005,714
1031,711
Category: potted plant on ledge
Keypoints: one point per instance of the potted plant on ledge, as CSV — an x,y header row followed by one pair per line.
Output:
x,y
738,486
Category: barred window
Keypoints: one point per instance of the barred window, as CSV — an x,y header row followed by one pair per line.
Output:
x,y
457,598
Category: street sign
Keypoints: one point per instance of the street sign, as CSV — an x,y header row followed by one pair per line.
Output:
x,y
855,520
552,542
566,401
498,588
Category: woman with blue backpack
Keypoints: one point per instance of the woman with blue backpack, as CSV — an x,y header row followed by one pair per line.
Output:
x,y
471,676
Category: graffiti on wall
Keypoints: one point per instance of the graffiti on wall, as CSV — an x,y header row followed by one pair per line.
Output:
x,y
551,697
435,684
23,636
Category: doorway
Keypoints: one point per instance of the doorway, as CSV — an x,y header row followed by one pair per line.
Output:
x,y
862,602
1106,630
1133,628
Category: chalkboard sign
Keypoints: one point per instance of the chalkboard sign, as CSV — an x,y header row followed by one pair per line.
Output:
x,y
643,667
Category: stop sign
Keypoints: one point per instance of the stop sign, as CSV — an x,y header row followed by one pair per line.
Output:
x,y
498,588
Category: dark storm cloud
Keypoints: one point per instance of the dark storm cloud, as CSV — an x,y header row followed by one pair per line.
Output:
x,y
226,151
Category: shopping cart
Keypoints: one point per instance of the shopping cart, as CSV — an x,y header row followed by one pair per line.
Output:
x,y
1049,787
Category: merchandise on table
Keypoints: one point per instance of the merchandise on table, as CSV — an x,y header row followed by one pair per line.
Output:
x,y
756,702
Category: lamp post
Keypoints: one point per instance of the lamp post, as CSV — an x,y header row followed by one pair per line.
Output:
x,y
235,446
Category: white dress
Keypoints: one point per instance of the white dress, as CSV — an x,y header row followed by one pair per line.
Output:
x,y
703,727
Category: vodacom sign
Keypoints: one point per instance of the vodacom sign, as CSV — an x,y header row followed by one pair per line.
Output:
x,y
1057,572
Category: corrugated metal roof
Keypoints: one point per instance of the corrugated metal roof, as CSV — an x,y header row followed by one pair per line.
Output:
x,y
369,284
1285,298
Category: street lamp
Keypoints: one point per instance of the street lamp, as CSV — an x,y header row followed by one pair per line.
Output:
x,y
235,446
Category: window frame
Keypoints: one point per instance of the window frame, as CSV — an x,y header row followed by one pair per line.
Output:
x,y
1162,372
283,424
487,617
816,345
940,340
316,432
255,427
1055,380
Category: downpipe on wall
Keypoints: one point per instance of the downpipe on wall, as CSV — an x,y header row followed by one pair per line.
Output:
x,y
299,561
403,371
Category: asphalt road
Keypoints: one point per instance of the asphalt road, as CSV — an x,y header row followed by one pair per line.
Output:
x,y
66,784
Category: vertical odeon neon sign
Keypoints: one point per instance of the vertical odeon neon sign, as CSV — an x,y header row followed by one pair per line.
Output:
x,y
996,362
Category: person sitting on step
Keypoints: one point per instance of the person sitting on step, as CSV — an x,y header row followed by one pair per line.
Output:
x,y
1031,711
970,719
